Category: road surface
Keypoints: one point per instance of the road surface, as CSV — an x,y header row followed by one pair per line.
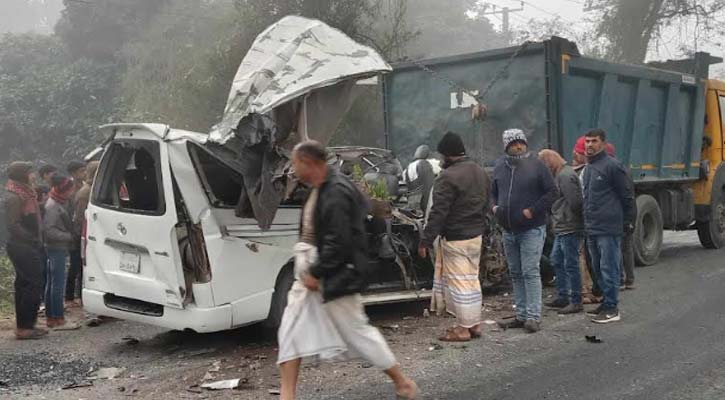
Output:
x,y
669,345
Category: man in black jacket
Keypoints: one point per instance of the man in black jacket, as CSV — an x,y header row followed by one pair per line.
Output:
x,y
457,219
523,192
608,213
334,325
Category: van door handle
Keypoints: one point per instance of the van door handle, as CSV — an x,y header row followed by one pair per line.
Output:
x,y
161,253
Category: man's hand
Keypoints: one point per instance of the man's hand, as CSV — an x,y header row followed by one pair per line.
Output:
x,y
628,228
494,209
310,282
422,252
528,213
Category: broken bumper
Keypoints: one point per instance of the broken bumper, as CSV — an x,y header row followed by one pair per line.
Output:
x,y
200,320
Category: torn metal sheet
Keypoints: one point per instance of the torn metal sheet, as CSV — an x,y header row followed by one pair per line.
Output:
x,y
289,59
296,82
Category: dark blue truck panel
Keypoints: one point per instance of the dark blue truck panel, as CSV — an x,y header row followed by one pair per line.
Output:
x,y
654,117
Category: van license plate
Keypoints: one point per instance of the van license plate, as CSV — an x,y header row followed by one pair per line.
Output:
x,y
130,262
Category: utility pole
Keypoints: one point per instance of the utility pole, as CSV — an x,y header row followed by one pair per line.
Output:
x,y
504,11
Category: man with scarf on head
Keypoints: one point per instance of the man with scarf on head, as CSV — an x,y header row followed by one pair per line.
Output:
x,y
457,218
25,249
523,192
59,239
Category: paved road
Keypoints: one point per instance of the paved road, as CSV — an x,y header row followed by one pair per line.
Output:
x,y
670,345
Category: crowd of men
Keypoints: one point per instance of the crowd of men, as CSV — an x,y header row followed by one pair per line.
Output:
x,y
590,205
44,211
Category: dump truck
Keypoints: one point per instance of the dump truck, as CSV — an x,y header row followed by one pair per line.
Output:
x,y
665,120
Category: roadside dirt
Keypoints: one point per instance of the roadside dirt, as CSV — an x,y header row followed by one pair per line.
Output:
x,y
158,364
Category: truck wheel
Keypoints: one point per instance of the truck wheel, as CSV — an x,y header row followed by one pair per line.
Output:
x,y
647,231
279,300
712,232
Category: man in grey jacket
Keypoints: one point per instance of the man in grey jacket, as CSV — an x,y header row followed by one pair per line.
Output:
x,y
568,227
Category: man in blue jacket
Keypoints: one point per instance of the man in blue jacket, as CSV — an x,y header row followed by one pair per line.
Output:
x,y
608,213
523,192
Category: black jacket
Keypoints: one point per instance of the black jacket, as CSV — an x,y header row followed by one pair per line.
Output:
x,y
340,235
520,184
608,196
460,198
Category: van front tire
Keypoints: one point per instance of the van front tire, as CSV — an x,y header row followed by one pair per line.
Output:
x,y
279,300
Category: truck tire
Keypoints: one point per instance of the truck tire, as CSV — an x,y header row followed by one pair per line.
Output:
x,y
648,231
279,299
712,231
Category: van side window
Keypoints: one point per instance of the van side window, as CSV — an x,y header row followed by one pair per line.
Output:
x,y
222,184
130,178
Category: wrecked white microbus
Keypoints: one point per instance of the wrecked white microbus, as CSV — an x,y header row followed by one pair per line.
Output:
x,y
164,245
191,231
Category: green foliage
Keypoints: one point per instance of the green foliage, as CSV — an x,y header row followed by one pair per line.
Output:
x,y
98,29
379,190
7,290
181,69
50,104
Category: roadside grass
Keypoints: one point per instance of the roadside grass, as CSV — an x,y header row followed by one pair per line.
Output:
x,y
7,289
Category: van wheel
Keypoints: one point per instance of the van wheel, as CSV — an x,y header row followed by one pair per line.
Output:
x,y
647,231
712,231
279,300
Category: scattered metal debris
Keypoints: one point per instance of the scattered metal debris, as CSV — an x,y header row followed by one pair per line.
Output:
x,y
592,339
222,385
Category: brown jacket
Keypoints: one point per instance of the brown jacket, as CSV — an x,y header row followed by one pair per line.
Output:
x,y
80,203
22,229
460,203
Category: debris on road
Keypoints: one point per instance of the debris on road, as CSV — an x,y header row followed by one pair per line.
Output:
x,y
197,353
435,346
107,373
129,340
489,322
222,385
592,339
77,385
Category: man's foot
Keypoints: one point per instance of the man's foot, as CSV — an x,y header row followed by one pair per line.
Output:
x,y
512,323
457,334
607,316
596,311
558,303
475,331
532,326
30,334
571,309
408,391
629,285
60,324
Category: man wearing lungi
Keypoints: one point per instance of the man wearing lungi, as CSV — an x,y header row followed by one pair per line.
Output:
x,y
457,218
324,318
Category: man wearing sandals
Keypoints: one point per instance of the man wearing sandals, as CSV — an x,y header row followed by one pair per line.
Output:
x,y
523,192
324,318
457,218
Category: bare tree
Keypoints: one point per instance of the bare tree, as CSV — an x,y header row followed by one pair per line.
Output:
x,y
631,26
